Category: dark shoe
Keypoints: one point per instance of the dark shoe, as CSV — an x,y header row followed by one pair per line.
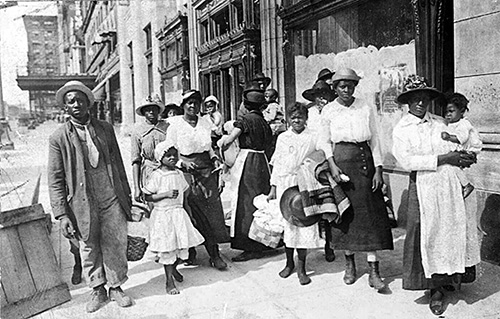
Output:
x,y
374,279
301,273
436,302
76,278
350,270
218,263
467,189
99,297
329,254
117,294
247,255
191,257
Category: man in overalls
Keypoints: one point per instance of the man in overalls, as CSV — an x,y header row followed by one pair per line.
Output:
x,y
90,194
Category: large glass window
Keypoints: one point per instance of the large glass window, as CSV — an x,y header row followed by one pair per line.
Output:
x,y
221,22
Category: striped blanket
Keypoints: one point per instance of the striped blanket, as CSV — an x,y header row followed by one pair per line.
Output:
x,y
320,193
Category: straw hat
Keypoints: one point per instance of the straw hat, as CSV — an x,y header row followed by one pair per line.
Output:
x,y
150,100
319,87
195,94
74,86
325,74
414,84
293,210
346,74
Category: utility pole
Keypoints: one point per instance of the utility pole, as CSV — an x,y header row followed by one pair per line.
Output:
x,y
4,124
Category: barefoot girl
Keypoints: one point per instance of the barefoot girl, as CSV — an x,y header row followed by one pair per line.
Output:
x,y
171,231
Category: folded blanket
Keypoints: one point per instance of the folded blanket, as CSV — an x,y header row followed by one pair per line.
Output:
x,y
320,193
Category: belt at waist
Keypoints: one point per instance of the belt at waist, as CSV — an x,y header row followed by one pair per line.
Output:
x,y
364,143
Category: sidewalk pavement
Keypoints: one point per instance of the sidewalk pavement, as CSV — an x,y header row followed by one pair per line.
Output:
x,y
253,289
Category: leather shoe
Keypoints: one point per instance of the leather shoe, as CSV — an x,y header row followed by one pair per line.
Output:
x,y
247,255
117,294
436,302
99,296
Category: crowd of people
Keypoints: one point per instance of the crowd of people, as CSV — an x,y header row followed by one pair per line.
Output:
x,y
322,162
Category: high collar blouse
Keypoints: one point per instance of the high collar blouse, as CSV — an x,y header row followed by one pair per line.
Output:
x,y
188,139
356,123
144,139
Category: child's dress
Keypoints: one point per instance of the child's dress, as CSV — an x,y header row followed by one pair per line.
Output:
x,y
171,232
291,150
469,139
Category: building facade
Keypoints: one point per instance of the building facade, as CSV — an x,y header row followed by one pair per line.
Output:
x,y
226,49
102,59
43,59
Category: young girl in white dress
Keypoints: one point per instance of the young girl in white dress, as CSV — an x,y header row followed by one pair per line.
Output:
x,y
292,148
171,232
462,134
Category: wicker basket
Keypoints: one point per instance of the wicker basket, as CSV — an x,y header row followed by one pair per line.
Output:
x,y
136,248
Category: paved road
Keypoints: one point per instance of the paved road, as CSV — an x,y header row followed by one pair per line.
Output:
x,y
253,289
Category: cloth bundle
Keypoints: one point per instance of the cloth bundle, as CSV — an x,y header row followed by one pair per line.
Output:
x,y
267,225
320,193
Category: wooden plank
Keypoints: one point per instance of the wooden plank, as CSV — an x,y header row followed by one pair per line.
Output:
x,y
3,297
16,277
37,303
39,254
21,215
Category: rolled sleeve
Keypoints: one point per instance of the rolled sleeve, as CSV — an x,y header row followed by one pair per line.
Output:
x,y
408,161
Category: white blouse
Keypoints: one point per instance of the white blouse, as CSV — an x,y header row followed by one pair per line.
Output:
x,y
188,139
291,150
355,123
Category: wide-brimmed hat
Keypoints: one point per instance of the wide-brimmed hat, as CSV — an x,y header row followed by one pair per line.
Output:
x,y
346,74
325,74
414,84
150,100
261,77
195,94
320,87
254,96
293,210
74,86
171,106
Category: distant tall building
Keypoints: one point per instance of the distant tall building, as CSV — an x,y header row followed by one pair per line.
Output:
x,y
43,57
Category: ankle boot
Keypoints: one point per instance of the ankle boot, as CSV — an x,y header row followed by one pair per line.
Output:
x,y
301,273
215,259
350,270
374,279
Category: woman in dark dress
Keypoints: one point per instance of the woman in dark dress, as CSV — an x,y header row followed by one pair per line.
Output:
x,y
252,168
351,129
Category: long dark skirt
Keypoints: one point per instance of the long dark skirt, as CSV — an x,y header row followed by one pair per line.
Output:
x,y
254,181
413,271
365,225
204,201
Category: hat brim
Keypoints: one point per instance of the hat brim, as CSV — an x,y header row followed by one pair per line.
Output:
x,y
404,97
74,87
294,213
346,77
310,95
326,76
138,110
191,95
266,80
